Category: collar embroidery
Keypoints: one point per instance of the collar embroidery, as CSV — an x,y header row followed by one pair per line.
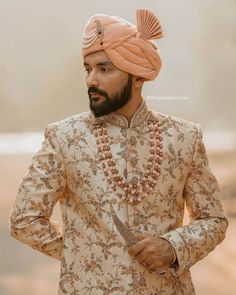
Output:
x,y
141,116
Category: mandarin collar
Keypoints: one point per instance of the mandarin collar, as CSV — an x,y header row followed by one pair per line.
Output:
x,y
141,115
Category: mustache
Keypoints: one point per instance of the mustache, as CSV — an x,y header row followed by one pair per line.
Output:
x,y
93,89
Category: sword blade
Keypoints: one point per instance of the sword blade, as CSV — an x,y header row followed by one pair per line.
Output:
x,y
127,235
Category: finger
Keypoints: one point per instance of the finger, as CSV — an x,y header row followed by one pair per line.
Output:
x,y
155,260
142,256
143,235
151,267
137,248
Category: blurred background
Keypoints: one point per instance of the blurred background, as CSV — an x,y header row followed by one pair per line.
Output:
x,y
42,80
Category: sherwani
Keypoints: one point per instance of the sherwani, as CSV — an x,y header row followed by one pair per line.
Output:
x,y
93,255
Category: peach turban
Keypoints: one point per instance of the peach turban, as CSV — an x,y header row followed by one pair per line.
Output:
x,y
130,48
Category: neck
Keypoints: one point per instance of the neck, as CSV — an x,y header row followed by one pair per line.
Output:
x,y
130,108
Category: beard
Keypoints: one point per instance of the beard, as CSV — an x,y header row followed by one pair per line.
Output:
x,y
111,103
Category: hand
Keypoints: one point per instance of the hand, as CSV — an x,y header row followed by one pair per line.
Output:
x,y
152,252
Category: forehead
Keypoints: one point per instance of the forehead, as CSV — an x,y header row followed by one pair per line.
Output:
x,y
96,58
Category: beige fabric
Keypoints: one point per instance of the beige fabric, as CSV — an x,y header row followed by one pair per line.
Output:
x,y
94,258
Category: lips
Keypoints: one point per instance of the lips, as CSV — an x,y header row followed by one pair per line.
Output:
x,y
94,96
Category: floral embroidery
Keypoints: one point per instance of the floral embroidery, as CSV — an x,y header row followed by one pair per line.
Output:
x,y
94,257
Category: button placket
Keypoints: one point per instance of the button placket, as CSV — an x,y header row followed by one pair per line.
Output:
x,y
131,159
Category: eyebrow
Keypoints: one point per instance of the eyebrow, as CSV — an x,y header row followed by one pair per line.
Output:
x,y
103,63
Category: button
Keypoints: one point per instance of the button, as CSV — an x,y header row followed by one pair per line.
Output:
x,y
133,161
133,140
123,131
134,180
136,221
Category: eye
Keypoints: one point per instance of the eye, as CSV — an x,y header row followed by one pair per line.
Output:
x,y
87,70
105,70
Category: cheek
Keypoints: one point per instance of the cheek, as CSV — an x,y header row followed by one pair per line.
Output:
x,y
115,82
109,86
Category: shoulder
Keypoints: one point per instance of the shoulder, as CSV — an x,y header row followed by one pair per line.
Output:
x,y
176,123
178,128
75,124
78,120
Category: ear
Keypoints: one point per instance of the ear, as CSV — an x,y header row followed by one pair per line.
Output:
x,y
138,81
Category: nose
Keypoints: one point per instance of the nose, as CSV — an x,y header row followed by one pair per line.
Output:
x,y
91,79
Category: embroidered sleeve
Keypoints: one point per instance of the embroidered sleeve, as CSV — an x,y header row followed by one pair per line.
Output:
x,y
39,191
208,222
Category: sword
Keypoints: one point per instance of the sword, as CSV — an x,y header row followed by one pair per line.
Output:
x,y
127,235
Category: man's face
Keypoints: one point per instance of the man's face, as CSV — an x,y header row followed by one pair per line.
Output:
x,y
109,88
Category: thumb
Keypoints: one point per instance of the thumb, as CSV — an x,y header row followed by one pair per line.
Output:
x,y
141,236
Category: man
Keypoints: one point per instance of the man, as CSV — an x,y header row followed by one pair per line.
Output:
x,y
121,171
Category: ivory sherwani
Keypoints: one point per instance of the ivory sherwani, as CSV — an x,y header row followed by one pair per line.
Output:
x,y
94,257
